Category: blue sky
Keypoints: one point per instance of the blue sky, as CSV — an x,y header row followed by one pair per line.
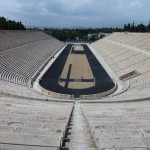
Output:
x,y
76,13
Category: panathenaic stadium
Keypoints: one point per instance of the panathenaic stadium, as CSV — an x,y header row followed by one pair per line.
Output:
x,y
76,96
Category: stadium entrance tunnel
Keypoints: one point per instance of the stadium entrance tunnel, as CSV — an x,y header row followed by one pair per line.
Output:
x,y
77,72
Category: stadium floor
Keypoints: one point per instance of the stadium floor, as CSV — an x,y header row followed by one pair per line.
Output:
x,y
50,80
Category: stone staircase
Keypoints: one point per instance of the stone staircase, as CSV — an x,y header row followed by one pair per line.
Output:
x,y
78,135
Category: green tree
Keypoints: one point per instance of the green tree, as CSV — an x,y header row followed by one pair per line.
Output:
x,y
141,28
6,24
132,29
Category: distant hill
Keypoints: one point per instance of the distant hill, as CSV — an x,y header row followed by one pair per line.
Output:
x,y
6,24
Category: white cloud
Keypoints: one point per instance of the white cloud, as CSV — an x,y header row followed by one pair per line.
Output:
x,y
81,12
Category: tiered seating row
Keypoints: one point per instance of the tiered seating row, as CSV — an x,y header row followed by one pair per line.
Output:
x,y
32,125
123,60
20,64
140,40
11,76
12,39
19,90
120,126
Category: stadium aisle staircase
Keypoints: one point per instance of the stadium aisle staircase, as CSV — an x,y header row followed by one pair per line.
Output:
x,y
78,135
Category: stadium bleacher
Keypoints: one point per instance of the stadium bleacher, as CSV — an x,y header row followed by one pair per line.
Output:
x,y
120,52
120,126
27,114
19,90
139,40
12,39
121,121
25,54
33,125
25,122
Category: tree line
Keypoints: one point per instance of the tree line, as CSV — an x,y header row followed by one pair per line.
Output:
x,y
65,34
6,24
136,28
